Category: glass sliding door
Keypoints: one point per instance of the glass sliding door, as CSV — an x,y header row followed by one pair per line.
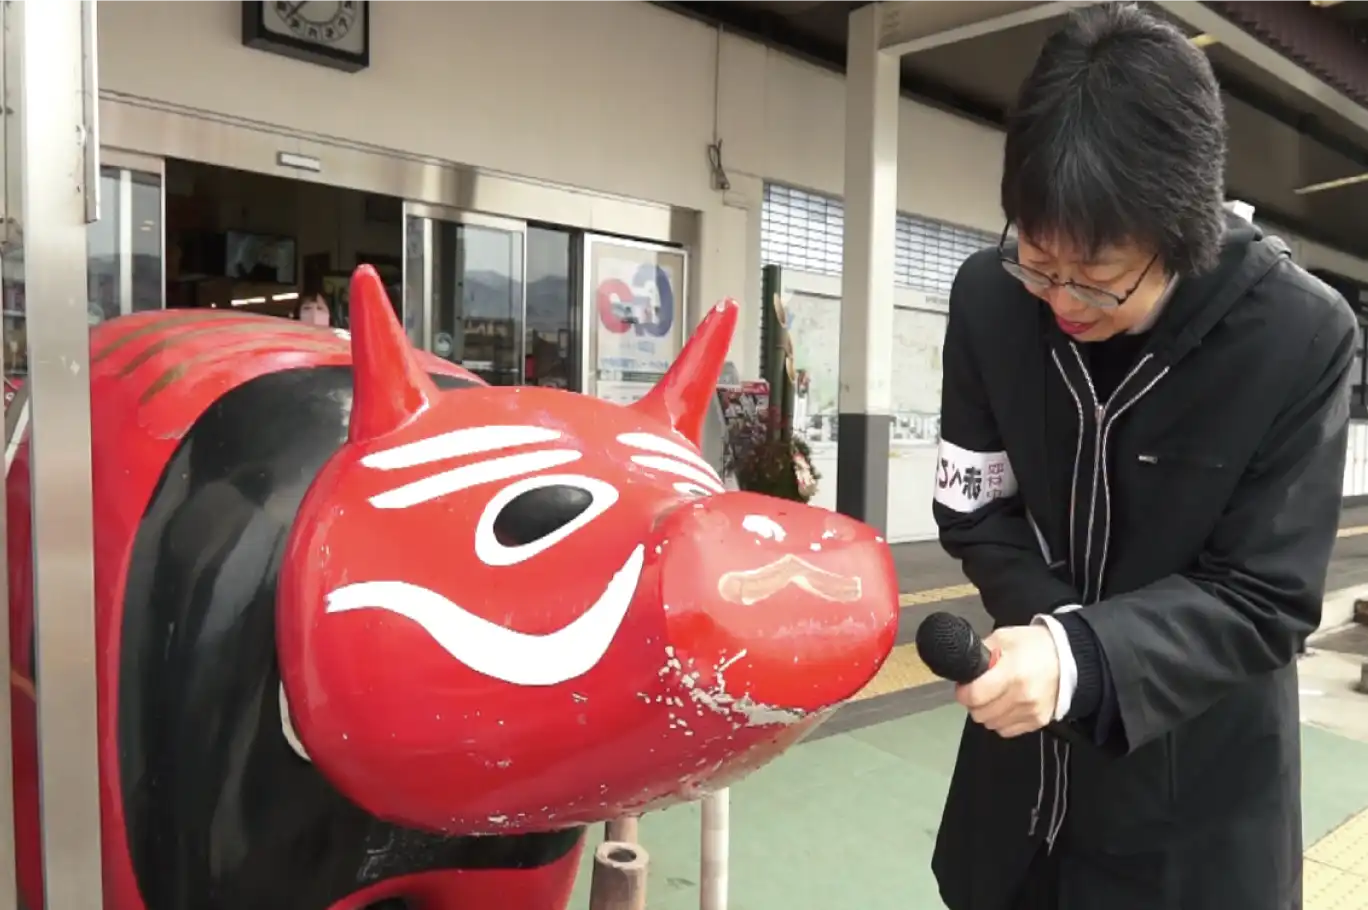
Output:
x,y
125,262
552,355
124,248
465,290
417,256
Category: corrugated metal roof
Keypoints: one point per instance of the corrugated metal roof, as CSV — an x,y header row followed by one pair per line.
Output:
x,y
1318,40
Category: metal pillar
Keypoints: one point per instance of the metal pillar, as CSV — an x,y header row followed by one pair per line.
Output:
x,y
871,201
880,34
11,261
61,176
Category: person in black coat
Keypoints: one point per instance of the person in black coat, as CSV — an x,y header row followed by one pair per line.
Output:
x,y
1143,434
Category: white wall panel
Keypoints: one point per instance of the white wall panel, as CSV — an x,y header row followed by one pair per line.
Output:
x,y
618,97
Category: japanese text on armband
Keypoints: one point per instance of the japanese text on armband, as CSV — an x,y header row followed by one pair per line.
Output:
x,y
967,481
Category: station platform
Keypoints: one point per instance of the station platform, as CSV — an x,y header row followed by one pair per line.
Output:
x,y
848,818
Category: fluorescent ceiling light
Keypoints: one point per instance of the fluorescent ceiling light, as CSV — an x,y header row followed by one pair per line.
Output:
x,y
1332,184
1323,3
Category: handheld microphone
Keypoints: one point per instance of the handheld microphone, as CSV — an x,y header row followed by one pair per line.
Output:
x,y
952,650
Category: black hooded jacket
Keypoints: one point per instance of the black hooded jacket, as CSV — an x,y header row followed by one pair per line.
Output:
x,y
1191,513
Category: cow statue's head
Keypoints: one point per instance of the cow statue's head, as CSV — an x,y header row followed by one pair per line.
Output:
x,y
506,610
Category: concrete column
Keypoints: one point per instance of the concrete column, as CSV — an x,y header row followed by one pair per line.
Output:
x,y
871,201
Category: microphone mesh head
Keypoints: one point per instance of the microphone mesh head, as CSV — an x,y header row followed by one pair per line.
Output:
x,y
950,648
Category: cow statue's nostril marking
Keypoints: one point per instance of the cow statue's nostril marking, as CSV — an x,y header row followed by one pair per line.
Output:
x,y
750,586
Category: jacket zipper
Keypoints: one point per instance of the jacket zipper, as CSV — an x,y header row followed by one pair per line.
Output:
x,y
1106,483
1105,421
1061,763
1100,478
1078,456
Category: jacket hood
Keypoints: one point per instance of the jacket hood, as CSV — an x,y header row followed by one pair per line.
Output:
x,y
1199,302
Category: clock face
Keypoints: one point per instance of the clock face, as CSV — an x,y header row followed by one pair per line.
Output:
x,y
336,24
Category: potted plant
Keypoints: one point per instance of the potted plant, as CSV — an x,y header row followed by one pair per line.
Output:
x,y
765,457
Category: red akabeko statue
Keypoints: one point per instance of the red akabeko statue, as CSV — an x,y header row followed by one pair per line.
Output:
x,y
372,633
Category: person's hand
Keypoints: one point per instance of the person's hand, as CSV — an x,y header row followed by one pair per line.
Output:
x,y
1017,696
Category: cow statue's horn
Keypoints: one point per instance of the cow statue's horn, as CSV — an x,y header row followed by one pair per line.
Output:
x,y
390,387
682,395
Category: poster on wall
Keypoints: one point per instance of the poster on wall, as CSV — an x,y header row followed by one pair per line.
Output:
x,y
635,295
814,325
918,341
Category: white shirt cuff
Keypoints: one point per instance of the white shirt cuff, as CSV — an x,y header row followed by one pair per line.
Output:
x,y
1068,667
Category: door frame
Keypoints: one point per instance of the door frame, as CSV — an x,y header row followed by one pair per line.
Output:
x,y
125,162
422,282
222,140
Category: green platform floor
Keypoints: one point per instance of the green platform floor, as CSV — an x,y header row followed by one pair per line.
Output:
x,y
849,820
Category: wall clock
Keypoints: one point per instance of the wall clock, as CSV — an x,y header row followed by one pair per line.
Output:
x,y
335,34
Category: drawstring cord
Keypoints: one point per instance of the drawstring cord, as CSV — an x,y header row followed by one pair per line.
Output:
x,y
1040,793
1059,804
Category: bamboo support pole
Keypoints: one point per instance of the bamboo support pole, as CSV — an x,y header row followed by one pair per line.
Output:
x,y
714,849
618,881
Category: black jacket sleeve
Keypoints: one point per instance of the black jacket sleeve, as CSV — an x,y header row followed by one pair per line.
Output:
x,y
1177,646
1094,707
994,542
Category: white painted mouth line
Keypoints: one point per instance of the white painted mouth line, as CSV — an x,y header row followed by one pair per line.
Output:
x,y
494,650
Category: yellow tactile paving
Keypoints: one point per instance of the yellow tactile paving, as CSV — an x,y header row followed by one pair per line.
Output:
x,y
1345,848
902,670
1336,872
1324,888
936,595
953,592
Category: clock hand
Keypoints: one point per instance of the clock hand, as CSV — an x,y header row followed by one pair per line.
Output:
x,y
293,8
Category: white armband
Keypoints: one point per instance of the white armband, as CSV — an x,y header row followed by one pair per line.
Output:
x,y
967,481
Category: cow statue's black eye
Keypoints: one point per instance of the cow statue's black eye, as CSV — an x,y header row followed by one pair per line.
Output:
x,y
534,514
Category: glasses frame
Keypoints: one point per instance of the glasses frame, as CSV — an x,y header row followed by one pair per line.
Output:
x,y
1085,294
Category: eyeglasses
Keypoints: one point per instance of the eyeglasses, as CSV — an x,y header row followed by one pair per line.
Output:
x,y
1085,294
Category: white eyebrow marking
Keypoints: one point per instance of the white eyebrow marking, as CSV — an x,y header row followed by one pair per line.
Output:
x,y
466,476
670,466
659,444
456,444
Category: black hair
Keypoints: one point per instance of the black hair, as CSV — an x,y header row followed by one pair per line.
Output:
x,y
1118,135
308,296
